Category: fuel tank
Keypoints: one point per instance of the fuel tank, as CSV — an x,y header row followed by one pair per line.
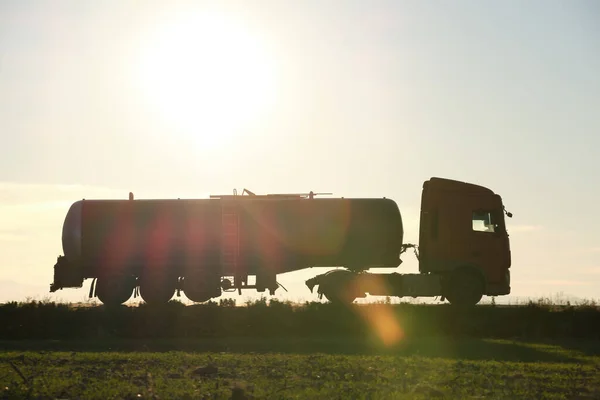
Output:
x,y
186,234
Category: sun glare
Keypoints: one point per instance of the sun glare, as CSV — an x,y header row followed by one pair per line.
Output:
x,y
208,76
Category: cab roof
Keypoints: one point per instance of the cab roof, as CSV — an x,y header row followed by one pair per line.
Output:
x,y
445,184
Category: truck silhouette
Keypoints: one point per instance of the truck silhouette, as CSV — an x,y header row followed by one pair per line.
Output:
x,y
204,247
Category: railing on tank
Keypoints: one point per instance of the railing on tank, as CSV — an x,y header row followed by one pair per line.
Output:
x,y
309,195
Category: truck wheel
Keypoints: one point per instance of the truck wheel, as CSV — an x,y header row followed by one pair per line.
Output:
x,y
464,288
339,296
157,289
113,291
338,287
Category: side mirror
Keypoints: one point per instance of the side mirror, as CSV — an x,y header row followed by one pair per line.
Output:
x,y
509,214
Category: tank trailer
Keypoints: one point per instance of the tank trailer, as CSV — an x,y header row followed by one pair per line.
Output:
x,y
203,247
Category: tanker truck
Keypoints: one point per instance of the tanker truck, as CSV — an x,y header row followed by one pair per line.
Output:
x,y
158,248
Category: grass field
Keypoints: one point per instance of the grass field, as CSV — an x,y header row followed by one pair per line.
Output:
x,y
300,369
279,351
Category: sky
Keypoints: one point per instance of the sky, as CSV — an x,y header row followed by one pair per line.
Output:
x,y
354,98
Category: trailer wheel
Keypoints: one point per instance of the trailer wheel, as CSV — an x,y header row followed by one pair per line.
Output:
x,y
156,289
464,288
201,288
113,291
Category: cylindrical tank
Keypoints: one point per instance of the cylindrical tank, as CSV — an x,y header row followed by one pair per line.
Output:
x,y
71,233
282,233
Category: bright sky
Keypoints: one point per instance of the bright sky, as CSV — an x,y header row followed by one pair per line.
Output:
x,y
357,98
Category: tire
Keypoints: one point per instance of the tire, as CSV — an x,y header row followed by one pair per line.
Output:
x,y
200,289
113,291
465,288
157,289
338,287
339,297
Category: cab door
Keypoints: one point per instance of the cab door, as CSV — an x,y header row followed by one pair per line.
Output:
x,y
445,235
489,240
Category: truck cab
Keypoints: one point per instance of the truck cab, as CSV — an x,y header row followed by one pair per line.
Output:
x,y
463,238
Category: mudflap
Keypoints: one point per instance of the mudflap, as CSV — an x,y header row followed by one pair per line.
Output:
x,y
317,281
65,275
312,282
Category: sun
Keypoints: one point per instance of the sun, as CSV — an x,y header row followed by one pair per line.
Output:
x,y
207,75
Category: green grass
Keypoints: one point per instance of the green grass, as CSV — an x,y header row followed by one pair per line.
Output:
x,y
280,350
333,368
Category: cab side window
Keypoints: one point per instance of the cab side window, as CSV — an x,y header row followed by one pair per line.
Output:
x,y
484,221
